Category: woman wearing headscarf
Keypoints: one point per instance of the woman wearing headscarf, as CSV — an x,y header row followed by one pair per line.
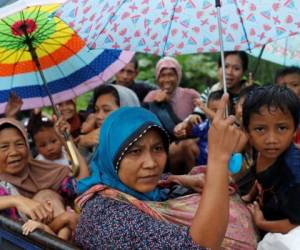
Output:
x,y
172,104
21,176
126,169
107,98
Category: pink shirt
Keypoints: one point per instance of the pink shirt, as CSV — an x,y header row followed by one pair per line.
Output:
x,y
182,101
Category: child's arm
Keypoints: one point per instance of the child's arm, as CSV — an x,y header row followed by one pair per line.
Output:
x,y
195,182
68,219
64,233
275,226
184,128
31,225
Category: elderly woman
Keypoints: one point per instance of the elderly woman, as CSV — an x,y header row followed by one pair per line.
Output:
x,y
128,163
172,104
168,75
21,176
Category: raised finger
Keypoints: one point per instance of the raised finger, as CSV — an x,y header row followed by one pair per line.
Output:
x,y
222,107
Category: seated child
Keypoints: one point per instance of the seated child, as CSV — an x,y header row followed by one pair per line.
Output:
x,y
48,143
63,223
270,118
191,126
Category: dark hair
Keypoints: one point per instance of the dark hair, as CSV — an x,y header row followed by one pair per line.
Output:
x,y
241,54
270,96
41,125
104,90
215,95
287,71
245,91
134,61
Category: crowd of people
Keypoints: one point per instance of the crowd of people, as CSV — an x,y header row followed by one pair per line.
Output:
x,y
153,163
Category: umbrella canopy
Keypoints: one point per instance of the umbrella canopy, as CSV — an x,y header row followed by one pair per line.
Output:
x,y
285,51
180,26
31,35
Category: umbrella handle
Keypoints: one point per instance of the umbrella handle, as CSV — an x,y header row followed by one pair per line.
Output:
x,y
74,159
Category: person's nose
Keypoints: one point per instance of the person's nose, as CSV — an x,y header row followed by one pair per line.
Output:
x,y
149,160
229,70
12,150
272,137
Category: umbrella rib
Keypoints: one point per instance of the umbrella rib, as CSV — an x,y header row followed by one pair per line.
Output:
x,y
8,56
15,66
169,28
5,34
243,25
108,21
57,65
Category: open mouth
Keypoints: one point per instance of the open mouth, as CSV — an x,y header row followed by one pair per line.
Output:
x,y
14,162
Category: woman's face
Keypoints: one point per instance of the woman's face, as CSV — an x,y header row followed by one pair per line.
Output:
x,y
143,164
13,151
67,109
167,80
103,106
234,71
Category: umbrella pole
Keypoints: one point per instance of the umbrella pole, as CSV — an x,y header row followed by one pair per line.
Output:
x,y
69,143
218,6
236,160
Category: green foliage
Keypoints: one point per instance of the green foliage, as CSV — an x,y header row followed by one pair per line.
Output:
x,y
200,70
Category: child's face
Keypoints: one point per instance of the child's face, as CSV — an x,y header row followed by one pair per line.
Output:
x,y
213,105
271,132
48,144
67,109
292,81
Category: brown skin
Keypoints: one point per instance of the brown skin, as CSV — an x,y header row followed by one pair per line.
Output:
x,y
292,81
48,144
167,81
67,109
143,164
126,76
13,160
270,132
234,73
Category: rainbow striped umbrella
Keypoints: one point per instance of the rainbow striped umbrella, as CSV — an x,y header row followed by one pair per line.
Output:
x,y
41,56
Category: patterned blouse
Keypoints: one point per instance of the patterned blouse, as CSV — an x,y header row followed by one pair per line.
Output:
x,y
110,224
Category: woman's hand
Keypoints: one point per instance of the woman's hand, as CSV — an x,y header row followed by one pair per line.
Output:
x,y
161,96
35,210
88,140
223,136
61,126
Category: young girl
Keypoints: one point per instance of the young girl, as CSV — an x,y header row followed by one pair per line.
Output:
x,y
48,144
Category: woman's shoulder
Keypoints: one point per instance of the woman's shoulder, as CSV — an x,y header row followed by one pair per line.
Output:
x,y
121,225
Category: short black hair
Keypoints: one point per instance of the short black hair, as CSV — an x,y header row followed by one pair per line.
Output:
x,y
287,71
271,96
104,90
241,54
215,95
41,125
